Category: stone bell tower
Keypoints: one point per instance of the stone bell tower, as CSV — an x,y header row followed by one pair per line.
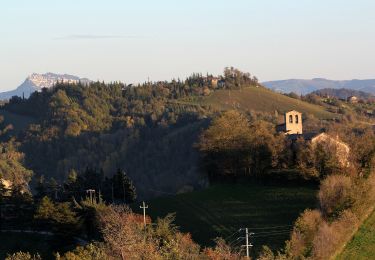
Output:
x,y
293,122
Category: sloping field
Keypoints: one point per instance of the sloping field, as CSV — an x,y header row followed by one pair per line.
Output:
x,y
45,245
260,99
221,210
362,246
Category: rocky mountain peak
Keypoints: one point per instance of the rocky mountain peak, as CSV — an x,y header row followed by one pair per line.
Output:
x,y
35,82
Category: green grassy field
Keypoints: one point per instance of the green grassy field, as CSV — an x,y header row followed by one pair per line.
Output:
x,y
268,211
33,243
258,99
362,246
45,245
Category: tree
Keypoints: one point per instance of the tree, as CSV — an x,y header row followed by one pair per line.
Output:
x,y
224,143
72,186
123,187
335,195
124,234
305,160
58,216
41,188
3,189
326,159
45,209
23,256
221,251
233,146
92,251
53,188
20,195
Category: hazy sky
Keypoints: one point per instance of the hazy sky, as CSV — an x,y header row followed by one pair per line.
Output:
x,y
162,39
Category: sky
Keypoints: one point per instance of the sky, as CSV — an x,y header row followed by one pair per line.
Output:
x,y
133,41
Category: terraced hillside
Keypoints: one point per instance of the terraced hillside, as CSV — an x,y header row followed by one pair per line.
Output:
x,y
258,99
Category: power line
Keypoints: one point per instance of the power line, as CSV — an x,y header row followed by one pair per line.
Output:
x,y
275,231
272,227
159,191
273,234
237,243
226,239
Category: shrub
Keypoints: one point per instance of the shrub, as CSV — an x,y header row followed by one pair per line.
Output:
x,y
88,252
304,231
23,256
331,236
335,195
222,251
266,254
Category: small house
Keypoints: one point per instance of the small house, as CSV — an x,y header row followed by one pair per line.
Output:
x,y
352,99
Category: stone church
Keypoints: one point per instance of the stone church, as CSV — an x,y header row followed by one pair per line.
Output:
x,y
292,127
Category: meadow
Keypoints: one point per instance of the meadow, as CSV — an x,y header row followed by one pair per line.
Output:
x,y
257,99
268,211
362,246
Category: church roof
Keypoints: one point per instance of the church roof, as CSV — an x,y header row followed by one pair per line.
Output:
x,y
307,136
295,111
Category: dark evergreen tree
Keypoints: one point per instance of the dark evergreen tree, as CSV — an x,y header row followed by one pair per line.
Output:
x,y
123,187
41,188
72,186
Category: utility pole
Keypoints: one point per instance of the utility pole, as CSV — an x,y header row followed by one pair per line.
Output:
x,y
144,207
248,245
91,192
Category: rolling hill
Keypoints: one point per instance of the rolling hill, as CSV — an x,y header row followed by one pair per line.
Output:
x,y
258,99
342,93
305,86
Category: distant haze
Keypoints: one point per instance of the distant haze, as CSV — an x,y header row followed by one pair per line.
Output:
x,y
133,41
303,86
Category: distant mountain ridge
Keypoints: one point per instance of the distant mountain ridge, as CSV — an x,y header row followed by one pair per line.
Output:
x,y
35,82
342,93
306,86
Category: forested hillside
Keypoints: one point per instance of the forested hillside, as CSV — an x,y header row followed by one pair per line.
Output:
x,y
141,129
150,130
343,93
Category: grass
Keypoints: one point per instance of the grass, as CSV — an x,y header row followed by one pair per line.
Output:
x,y
45,245
33,243
268,211
362,246
258,99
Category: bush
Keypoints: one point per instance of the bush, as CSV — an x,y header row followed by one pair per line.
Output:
x,y
221,251
23,256
89,252
331,236
304,231
335,195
